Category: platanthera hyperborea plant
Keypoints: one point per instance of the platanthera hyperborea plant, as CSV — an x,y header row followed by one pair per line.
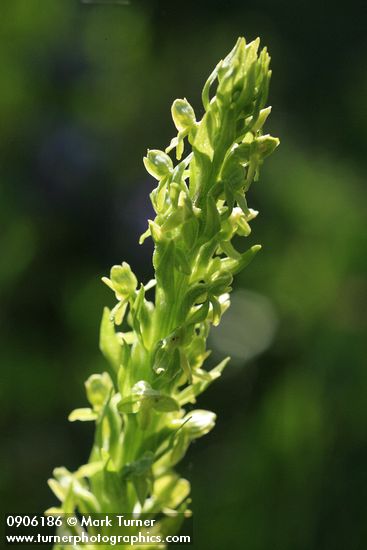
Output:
x,y
156,348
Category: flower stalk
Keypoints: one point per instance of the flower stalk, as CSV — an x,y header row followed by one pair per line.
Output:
x,y
156,349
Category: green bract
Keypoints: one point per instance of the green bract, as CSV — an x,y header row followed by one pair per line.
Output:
x,y
156,358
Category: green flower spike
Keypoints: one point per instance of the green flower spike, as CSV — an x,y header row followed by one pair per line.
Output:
x,y
142,427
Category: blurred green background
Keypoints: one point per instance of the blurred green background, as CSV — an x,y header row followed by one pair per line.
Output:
x,y
85,89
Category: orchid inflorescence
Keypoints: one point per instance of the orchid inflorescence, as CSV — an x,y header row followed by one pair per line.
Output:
x,y
156,349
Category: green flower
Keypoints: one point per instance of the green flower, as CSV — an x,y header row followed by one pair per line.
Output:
x,y
157,355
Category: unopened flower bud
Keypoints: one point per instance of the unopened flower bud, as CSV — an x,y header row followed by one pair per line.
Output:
x,y
158,163
98,388
183,114
266,145
198,423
